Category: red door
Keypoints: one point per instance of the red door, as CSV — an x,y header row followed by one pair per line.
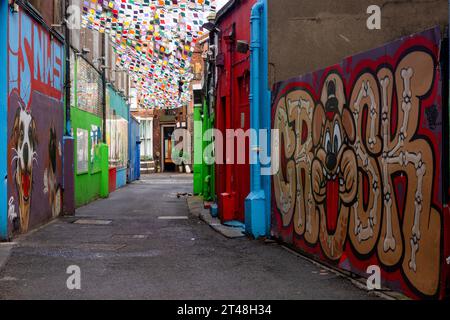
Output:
x,y
242,121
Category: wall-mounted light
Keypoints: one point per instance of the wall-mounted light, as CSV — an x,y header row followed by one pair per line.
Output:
x,y
242,46
83,52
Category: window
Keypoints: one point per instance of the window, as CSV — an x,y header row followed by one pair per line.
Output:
x,y
82,151
146,131
89,88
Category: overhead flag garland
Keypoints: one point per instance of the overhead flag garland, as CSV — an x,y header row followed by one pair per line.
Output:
x,y
154,40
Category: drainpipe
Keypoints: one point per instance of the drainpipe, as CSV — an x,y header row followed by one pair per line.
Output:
x,y
255,215
266,114
68,86
255,81
104,85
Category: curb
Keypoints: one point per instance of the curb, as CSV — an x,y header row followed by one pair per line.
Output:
x,y
196,208
359,282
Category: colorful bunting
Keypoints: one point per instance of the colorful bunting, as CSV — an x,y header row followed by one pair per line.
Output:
x,y
154,40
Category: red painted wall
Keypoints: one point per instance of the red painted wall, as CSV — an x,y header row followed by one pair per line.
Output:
x,y
233,107
112,179
361,149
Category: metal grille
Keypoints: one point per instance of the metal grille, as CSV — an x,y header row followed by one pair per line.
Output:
x,y
90,88
72,78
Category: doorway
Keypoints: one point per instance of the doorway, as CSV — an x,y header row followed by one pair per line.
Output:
x,y
167,163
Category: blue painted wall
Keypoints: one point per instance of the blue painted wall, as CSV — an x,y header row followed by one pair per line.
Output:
x,y
133,139
121,178
3,119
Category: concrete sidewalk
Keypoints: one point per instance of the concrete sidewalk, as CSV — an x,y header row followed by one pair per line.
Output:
x,y
141,243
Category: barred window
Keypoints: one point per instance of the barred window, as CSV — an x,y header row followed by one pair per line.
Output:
x,y
89,88
72,78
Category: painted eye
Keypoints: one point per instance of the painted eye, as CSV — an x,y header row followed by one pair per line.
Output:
x,y
337,138
328,144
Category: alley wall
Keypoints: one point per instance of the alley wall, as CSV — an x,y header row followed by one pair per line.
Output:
x,y
307,35
35,121
362,117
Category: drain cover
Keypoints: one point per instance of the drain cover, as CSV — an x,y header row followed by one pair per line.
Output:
x,y
93,222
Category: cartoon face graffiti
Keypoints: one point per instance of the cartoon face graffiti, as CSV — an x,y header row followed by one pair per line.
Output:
x,y
24,142
334,169
363,139
50,176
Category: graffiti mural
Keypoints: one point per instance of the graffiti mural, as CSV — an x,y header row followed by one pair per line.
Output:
x,y
35,123
361,157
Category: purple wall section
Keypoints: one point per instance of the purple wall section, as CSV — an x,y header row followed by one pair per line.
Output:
x,y
69,178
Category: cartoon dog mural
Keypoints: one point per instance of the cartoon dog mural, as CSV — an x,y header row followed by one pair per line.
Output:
x,y
334,169
361,157
51,187
24,141
35,90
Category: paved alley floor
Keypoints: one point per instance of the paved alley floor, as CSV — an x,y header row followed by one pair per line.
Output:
x,y
152,250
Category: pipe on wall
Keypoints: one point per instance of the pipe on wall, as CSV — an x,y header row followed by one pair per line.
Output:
x,y
266,114
255,211
68,84
255,93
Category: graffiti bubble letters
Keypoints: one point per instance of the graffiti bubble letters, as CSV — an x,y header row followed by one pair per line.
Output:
x,y
35,59
359,162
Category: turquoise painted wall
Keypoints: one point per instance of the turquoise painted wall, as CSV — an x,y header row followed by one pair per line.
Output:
x,y
133,140
117,103
121,178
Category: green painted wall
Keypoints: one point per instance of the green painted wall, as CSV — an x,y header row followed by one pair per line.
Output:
x,y
208,170
204,174
198,150
87,185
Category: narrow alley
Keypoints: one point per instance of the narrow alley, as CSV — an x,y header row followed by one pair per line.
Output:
x,y
222,150
152,250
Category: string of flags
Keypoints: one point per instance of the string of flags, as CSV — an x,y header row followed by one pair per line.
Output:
x,y
154,40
